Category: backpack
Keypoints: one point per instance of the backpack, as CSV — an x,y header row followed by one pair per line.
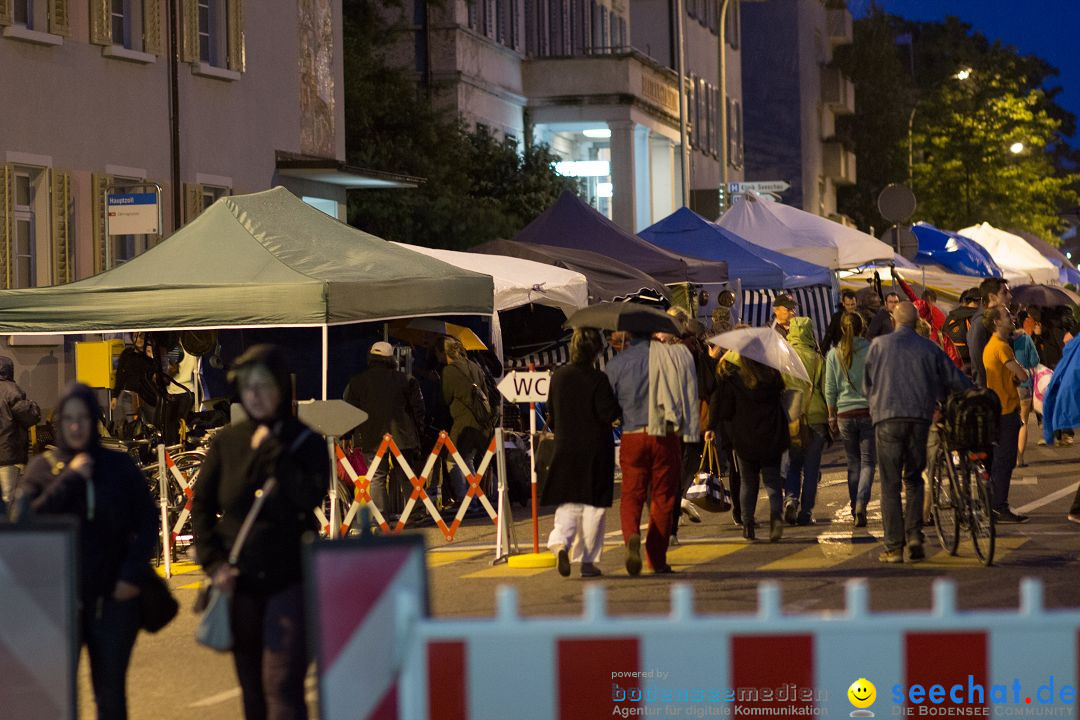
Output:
x,y
479,404
973,417
956,329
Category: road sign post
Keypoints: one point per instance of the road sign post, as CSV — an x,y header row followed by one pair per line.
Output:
x,y
759,186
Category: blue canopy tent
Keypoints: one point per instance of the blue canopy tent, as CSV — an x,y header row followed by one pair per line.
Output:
x,y
687,233
954,252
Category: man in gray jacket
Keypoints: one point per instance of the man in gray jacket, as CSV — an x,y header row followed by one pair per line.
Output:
x,y
906,375
17,416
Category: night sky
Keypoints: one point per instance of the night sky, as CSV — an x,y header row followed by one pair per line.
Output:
x,y
1047,28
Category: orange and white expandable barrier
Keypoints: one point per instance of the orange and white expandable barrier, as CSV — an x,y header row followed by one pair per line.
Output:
x,y
188,487
362,488
474,484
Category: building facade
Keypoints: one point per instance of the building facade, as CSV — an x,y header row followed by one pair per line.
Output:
x,y
93,105
792,95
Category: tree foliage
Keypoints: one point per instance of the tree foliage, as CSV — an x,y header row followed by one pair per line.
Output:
x,y
477,187
962,170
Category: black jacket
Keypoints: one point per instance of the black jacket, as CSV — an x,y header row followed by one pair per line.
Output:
x,y
230,475
17,416
880,324
394,405
583,406
119,540
759,428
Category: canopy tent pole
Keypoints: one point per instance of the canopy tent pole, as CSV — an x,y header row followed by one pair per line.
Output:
x,y
325,356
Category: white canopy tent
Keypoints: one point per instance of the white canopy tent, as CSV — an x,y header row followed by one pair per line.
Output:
x,y
518,282
802,235
1020,261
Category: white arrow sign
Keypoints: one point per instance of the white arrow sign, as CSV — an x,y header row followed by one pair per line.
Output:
x,y
525,386
761,186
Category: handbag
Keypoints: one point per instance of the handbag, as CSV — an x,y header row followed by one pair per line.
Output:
x,y
707,491
215,629
157,606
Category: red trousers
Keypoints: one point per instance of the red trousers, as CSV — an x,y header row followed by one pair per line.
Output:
x,y
650,465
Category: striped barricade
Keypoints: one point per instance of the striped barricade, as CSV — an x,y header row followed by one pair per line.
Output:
x,y
362,487
188,488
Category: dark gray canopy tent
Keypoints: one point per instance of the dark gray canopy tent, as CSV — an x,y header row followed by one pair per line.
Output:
x,y
249,261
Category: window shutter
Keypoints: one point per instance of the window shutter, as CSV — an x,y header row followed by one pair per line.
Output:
x,y
99,187
192,201
59,21
5,12
151,15
189,32
100,22
235,22
6,189
60,226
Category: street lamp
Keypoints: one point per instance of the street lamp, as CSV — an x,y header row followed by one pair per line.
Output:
x,y
1016,148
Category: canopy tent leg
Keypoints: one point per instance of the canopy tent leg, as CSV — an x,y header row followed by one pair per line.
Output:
x,y
325,356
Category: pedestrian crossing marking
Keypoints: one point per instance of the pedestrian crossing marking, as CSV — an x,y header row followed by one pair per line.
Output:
x,y
965,556
700,553
828,552
440,559
190,586
504,571
180,568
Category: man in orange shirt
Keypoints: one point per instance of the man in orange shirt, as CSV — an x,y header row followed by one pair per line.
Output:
x,y
1003,375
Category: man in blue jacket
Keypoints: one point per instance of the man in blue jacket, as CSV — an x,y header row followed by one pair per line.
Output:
x,y
906,375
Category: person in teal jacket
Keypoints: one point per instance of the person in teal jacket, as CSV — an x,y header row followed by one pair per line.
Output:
x,y
1028,357
849,411
804,457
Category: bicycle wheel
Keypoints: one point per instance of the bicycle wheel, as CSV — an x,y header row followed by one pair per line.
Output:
x,y
982,514
945,499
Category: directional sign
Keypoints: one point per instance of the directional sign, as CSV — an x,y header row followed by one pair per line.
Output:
x,y
525,386
133,214
761,186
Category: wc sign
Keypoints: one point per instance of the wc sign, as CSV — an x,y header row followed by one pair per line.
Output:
x,y
525,387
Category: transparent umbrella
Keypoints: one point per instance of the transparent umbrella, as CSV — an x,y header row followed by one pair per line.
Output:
x,y
764,345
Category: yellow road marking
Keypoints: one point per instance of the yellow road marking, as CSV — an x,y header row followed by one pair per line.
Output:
x,y
965,556
190,586
699,554
180,568
440,559
825,554
502,571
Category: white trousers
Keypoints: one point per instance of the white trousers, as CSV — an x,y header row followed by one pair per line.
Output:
x,y
580,529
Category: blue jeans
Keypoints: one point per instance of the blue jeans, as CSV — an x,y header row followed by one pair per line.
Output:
x,y
109,631
858,436
901,452
751,475
804,471
1003,460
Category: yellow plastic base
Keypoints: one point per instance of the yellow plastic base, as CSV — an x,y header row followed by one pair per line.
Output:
x,y
531,560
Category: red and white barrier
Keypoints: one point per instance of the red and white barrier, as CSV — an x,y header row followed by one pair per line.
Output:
x,y
188,487
547,668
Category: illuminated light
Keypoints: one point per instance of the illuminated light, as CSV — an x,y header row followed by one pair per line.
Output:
x,y
1016,148
604,190
597,133
963,74
583,168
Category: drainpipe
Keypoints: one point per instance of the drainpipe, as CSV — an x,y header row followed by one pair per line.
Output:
x,y
724,140
174,114
680,62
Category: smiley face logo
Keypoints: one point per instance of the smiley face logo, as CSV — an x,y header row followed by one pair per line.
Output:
x,y
862,694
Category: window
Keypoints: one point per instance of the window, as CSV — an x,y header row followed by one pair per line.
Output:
x,y
212,33
23,256
119,19
735,133
211,194
23,13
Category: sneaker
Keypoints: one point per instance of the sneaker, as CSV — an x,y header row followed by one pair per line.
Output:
x,y
590,570
892,556
673,541
804,521
791,511
776,529
1007,516
563,562
633,555
690,511
860,516
664,570
915,552
1041,442
1073,518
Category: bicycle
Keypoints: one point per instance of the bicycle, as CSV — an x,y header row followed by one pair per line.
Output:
x,y
960,494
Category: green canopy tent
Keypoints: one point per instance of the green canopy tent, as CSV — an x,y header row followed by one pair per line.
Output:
x,y
254,261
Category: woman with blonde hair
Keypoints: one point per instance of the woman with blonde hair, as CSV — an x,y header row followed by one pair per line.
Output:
x,y
581,479
849,411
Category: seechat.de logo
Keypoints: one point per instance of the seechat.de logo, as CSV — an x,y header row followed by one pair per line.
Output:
x,y
862,694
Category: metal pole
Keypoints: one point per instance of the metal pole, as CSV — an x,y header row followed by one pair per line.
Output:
x,y
174,113
680,62
723,134
532,472
334,521
910,145
163,494
325,357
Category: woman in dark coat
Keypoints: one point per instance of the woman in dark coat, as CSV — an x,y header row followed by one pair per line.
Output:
x,y
751,397
581,479
108,495
269,649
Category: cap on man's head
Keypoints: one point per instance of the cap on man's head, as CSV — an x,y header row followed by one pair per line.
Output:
x,y
382,349
784,301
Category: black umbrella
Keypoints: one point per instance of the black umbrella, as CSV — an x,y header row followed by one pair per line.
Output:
x,y
1043,295
630,317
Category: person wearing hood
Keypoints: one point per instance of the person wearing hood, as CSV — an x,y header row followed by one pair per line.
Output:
x,y
804,457
750,396
849,412
269,645
17,416
111,501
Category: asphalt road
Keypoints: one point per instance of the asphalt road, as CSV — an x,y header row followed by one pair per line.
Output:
x,y
172,678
